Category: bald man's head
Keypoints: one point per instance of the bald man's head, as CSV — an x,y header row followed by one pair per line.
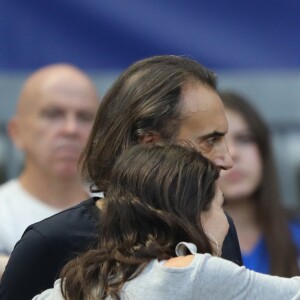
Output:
x,y
53,119
52,79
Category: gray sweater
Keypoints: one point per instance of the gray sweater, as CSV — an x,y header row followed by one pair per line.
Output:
x,y
206,277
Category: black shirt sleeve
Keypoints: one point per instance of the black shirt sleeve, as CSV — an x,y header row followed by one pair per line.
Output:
x,y
46,247
31,268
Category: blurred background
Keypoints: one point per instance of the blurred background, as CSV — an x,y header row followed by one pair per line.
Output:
x,y
253,46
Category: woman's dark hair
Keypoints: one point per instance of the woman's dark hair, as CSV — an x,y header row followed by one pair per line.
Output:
x,y
144,100
271,215
154,201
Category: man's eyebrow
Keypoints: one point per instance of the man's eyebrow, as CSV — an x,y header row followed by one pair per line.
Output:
x,y
212,134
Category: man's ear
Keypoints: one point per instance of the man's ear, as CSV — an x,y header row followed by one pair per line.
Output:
x,y
149,138
13,130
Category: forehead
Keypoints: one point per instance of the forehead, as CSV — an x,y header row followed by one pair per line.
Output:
x,y
202,110
67,95
236,121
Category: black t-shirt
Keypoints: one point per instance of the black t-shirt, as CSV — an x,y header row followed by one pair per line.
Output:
x,y
46,246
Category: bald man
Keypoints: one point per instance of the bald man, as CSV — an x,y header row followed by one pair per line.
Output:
x,y
53,119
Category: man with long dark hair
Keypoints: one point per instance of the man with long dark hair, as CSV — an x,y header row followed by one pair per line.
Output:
x,y
160,98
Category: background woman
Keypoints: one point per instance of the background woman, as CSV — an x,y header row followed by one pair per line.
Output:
x,y
162,202
269,242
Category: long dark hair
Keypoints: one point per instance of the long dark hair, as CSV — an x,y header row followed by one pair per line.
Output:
x,y
271,215
154,200
143,100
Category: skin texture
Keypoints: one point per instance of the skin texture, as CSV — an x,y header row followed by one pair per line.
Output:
x,y
243,179
204,124
240,183
214,223
52,123
53,120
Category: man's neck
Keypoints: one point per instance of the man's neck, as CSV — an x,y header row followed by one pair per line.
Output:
x,y
59,193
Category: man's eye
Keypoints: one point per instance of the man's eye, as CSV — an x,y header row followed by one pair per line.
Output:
x,y
52,113
212,141
86,117
245,139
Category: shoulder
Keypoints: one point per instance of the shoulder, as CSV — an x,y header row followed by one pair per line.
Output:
x,y
179,262
51,294
78,221
45,247
11,192
9,187
186,253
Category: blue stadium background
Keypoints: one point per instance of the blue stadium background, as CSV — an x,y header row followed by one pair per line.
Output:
x,y
253,46
111,34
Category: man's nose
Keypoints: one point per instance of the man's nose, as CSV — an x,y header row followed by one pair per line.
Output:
x,y
232,148
223,159
71,125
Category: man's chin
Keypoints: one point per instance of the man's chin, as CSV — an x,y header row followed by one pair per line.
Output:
x,y
67,172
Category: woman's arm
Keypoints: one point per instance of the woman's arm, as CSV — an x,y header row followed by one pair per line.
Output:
x,y
221,279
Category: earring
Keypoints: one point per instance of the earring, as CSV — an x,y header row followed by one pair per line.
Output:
x,y
212,238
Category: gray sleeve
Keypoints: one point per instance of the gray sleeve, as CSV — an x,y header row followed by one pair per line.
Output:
x,y
51,294
222,279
